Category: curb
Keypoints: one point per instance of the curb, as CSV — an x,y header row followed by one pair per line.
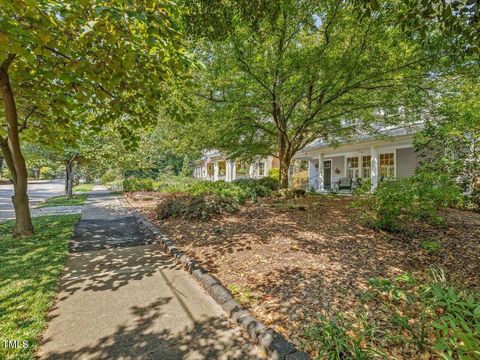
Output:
x,y
274,344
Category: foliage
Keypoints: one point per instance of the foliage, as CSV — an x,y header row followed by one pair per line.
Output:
x,y
29,277
419,197
272,84
196,206
76,200
138,184
47,173
274,173
240,190
335,337
241,294
450,141
434,315
420,317
110,175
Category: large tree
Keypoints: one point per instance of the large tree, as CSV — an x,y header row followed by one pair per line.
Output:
x,y
272,84
80,61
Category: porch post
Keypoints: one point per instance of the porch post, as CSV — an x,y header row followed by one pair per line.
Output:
x,y
215,171
228,170
321,180
374,167
251,171
311,173
234,170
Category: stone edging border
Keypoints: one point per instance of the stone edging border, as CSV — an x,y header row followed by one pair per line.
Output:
x,y
274,344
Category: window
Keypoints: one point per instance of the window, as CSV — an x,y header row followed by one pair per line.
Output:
x,y
210,170
241,168
222,168
387,165
261,169
353,171
366,166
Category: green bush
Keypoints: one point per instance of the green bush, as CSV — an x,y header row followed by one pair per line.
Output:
x,y
110,175
135,184
274,173
419,197
47,173
195,206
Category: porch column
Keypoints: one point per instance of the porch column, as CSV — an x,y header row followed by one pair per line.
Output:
x,y
215,171
311,173
321,180
234,170
228,171
251,171
374,167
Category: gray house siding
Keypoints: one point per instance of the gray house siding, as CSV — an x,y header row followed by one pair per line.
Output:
x,y
338,162
407,162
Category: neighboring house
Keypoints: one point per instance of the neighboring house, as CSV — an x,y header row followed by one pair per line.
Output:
x,y
215,166
388,154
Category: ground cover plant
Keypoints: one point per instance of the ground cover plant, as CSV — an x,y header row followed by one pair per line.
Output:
x,y
29,276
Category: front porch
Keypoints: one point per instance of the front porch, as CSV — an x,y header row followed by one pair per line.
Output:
x,y
342,171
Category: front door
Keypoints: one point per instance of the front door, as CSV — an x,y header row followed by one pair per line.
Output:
x,y
327,174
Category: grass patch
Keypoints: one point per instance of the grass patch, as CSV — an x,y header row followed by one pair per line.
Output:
x,y
83,188
29,274
76,200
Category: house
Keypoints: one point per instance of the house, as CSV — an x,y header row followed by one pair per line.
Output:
x,y
215,166
389,154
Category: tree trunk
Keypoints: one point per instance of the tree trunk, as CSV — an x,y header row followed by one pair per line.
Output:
x,y
71,171
14,157
285,159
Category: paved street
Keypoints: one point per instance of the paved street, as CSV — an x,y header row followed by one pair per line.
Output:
x,y
37,192
122,297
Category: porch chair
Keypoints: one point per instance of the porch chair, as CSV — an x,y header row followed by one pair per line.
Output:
x,y
345,183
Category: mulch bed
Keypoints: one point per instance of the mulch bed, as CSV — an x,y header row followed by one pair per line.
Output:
x,y
295,258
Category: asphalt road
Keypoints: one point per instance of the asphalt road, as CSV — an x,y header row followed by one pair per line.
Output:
x,y
37,192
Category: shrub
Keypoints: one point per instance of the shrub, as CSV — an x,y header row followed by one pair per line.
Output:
x,y
110,175
195,206
47,173
418,197
274,173
135,184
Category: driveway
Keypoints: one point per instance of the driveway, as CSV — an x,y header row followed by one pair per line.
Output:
x,y
38,191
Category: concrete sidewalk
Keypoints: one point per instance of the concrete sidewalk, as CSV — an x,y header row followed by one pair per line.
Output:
x,y
128,300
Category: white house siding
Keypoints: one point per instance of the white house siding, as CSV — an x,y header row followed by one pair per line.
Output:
x,y
407,162
338,162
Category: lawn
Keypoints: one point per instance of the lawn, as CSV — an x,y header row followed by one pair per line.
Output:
x,y
76,200
83,188
30,268
290,260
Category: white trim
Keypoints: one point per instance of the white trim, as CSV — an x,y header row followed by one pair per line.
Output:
x,y
331,173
